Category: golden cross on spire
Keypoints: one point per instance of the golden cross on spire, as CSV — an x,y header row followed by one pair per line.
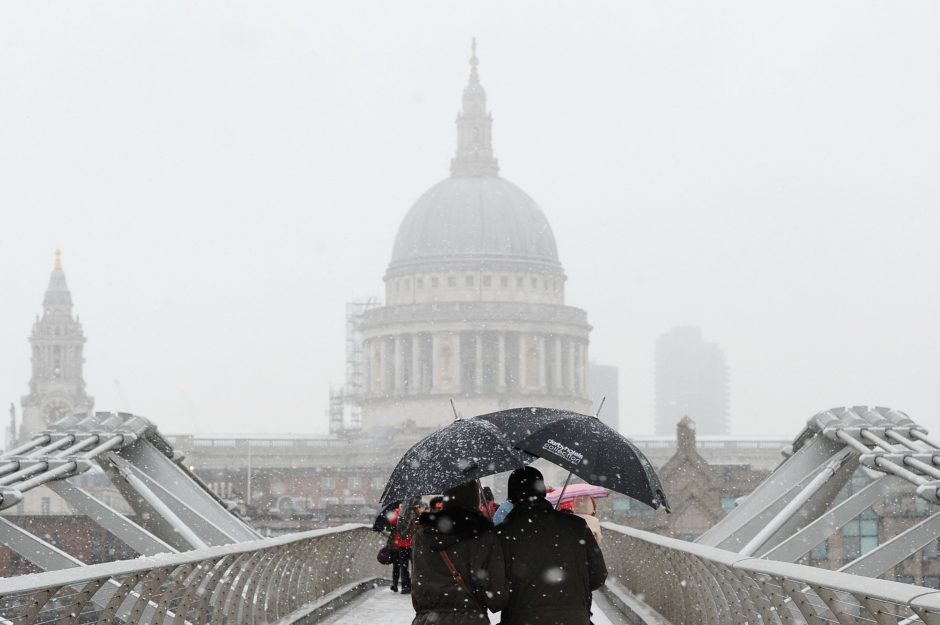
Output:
x,y
58,258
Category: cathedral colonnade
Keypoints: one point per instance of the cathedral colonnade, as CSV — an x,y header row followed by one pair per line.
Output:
x,y
469,361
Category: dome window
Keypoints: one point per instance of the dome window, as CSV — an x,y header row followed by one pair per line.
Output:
x,y
520,282
451,280
535,282
504,281
435,282
419,282
487,280
469,281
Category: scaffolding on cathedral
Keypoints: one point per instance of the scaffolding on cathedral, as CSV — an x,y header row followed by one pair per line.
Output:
x,y
345,412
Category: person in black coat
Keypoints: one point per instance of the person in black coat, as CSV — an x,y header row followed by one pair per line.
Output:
x,y
553,563
458,533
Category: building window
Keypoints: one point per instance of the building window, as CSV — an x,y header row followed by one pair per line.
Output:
x,y
378,483
328,483
487,280
520,282
534,282
407,283
354,483
468,281
905,579
820,552
45,505
504,281
932,581
451,280
435,282
419,282
932,550
545,283
727,503
859,536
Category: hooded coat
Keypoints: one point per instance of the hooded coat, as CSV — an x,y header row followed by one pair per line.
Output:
x,y
553,564
473,547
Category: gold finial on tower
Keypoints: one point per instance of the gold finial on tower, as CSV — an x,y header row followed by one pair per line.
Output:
x,y
58,258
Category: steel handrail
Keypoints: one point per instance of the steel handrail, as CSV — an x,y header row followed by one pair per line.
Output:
x,y
186,587
694,583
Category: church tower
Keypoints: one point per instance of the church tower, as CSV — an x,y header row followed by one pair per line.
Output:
x,y
57,387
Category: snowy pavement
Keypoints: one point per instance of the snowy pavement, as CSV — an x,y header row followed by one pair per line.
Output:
x,y
384,607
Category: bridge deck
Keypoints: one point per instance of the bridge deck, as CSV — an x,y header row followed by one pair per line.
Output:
x,y
384,607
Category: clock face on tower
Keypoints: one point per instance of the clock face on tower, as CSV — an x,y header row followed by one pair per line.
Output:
x,y
55,409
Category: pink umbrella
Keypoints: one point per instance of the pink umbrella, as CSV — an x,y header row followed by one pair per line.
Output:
x,y
576,490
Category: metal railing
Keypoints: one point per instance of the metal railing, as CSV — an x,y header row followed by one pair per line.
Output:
x,y
693,584
256,582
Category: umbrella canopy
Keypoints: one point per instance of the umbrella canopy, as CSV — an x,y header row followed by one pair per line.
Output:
x,y
585,446
459,452
576,490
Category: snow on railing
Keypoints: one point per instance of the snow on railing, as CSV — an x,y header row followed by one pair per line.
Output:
x,y
249,583
693,584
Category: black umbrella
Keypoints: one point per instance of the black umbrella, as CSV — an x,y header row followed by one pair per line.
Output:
x,y
585,446
459,452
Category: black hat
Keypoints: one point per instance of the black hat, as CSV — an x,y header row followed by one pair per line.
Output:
x,y
526,484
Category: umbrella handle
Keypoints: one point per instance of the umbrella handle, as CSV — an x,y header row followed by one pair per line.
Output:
x,y
562,493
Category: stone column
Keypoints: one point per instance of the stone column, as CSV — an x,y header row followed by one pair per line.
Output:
x,y
556,373
501,362
478,369
414,382
522,363
399,364
572,374
383,365
435,378
542,362
584,366
457,363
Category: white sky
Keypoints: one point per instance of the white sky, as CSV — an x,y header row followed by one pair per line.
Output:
x,y
223,176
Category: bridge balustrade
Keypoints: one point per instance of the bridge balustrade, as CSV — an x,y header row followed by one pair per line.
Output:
x,y
693,584
250,583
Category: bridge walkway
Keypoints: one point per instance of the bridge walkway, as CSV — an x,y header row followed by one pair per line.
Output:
x,y
380,606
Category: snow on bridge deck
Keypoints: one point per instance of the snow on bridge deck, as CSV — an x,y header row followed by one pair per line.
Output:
x,y
381,606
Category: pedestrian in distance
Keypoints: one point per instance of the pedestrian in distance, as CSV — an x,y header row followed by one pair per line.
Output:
x,y
436,504
553,563
459,572
404,523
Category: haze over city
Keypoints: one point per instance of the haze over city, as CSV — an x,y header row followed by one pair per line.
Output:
x,y
221,185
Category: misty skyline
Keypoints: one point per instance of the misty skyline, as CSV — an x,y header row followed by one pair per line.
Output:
x,y
223,178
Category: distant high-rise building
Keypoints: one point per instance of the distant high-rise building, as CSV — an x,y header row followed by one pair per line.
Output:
x,y
691,380
57,386
474,299
603,382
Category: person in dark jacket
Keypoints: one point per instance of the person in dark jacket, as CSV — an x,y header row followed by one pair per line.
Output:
x,y
553,562
460,534
404,524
